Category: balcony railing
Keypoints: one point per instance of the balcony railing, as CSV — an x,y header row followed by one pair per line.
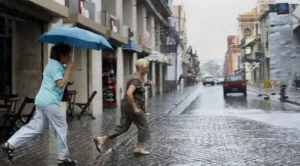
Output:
x,y
146,40
112,23
85,8
166,6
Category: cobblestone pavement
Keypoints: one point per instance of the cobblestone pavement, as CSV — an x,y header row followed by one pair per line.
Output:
x,y
218,131
42,151
212,130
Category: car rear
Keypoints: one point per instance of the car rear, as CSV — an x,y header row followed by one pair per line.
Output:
x,y
235,84
209,80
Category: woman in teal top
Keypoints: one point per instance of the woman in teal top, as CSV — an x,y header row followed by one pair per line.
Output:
x,y
47,102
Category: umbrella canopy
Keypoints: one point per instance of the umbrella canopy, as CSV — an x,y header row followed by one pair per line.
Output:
x,y
75,37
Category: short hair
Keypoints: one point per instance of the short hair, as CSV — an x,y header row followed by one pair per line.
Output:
x,y
59,50
141,63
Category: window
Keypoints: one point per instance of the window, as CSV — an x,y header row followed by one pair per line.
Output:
x,y
267,40
257,27
234,78
247,32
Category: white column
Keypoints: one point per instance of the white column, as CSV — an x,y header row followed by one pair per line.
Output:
x,y
153,79
157,37
152,31
96,81
141,20
95,68
161,78
120,75
134,20
119,10
134,58
147,90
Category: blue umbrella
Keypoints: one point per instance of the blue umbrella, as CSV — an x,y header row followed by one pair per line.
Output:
x,y
75,37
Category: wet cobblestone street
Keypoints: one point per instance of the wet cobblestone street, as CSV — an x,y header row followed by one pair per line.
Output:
x,y
212,130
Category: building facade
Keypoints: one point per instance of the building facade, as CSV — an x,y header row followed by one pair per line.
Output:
x,y
249,28
135,29
233,51
280,45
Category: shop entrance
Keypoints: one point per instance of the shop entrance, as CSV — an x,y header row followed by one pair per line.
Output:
x,y
109,64
5,57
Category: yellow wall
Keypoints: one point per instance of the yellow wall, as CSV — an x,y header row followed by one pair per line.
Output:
x,y
234,60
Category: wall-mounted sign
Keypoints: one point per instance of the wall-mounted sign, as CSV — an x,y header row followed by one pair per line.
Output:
x,y
283,8
168,49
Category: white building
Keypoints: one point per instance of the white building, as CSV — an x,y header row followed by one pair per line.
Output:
x,y
135,28
280,45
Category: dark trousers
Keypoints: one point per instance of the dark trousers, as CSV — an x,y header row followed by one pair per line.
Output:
x,y
128,117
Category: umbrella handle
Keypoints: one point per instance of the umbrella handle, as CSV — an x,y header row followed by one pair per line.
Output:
x,y
73,55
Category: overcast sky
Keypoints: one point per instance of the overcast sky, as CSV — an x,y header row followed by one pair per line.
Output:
x,y
209,22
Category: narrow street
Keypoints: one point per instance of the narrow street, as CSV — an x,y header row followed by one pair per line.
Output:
x,y
214,131
203,129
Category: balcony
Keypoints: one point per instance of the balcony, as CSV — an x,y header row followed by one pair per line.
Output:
x,y
159,10
117,33
248,58
82,14
40,9
174,30
166,7
146,42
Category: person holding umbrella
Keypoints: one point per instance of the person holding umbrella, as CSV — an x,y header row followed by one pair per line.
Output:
x,y
47,102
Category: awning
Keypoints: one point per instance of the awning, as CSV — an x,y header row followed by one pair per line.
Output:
x,y
132,46
254,67
156,56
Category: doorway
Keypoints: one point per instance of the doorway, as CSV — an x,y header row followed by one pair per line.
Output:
x,y
5,56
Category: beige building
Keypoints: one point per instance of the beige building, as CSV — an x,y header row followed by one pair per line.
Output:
x,y
249,28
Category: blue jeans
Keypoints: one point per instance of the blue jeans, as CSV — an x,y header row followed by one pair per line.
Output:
x,y
44,115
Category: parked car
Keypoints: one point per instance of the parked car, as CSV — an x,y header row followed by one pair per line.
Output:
x,y
209,80
220,81
235,84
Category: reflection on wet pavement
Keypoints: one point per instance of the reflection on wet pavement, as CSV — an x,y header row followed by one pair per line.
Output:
x,y
212,102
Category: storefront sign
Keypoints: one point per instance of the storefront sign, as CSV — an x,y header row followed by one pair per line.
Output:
x,y
159,57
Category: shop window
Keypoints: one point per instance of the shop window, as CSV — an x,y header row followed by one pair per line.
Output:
x,y
109,82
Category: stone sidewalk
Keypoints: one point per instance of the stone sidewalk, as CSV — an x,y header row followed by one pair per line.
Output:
x,y
293,94
42,151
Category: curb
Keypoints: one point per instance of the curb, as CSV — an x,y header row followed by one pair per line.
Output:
x,y
292,102
286,101
178,103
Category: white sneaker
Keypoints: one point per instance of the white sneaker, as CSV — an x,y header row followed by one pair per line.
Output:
x,y
147,113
